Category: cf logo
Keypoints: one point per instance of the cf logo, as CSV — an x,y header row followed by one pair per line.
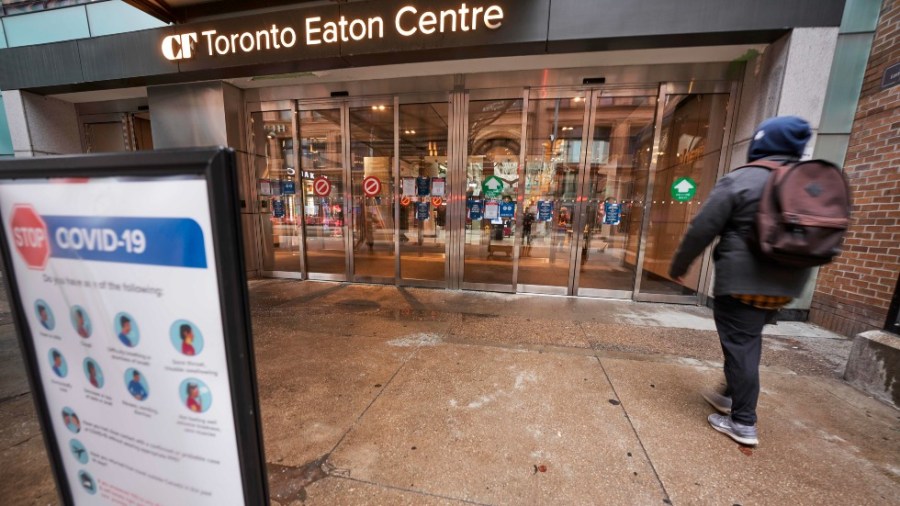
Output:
x,y
179,47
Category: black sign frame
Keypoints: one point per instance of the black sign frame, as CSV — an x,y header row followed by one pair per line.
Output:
x,y
218,167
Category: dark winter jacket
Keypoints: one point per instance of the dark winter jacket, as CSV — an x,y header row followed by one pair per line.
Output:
x,y
729,212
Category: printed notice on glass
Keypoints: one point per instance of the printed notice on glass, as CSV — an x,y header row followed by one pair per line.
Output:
x,y
118,282
408,185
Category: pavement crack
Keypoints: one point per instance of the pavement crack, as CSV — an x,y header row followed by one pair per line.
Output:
x,y
14,397
20,443
667,499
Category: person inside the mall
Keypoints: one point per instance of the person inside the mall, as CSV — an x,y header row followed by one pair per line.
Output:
x,y
748,290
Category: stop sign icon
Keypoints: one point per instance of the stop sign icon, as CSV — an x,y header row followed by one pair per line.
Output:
x,y
30,236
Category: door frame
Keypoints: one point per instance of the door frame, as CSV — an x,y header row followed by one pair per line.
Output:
x,y
596,93
251,190
683,88
457,153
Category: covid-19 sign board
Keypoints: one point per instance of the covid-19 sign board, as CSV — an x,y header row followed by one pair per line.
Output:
x,y
126,281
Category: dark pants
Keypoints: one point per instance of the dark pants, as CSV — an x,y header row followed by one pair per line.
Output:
x,y
740,332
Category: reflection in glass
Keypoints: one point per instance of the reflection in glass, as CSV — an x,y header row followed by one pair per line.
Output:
x,y
423,171
495,129
551,174
618,163
271,140
690,146
372,158
321,157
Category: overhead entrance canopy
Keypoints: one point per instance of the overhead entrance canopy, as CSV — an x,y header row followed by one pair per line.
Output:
x,y
328,36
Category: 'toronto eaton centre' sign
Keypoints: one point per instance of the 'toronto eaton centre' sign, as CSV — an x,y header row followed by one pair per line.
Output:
x,y
408,21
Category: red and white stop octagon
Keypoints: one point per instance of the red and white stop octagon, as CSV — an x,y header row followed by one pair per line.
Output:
x,y
30,236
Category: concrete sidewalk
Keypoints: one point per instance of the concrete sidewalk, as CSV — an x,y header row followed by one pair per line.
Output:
x,y
380,395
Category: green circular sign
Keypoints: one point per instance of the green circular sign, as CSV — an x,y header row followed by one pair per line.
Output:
x,y
683,189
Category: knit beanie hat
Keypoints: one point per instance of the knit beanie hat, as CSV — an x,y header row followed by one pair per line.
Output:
x,y
782,135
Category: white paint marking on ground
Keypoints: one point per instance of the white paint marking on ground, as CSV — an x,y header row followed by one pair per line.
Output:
x,y
420,339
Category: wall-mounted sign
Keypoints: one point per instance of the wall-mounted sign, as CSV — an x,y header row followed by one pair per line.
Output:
x,y
134,324
891,76
404,200
437,201
288,188
314,30
507,209
322,186
683,189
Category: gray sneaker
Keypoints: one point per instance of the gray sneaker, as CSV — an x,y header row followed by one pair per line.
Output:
x,y
718,401
744,434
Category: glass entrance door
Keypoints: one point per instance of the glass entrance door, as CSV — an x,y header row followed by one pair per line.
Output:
x,y
570,192
618,162
322,156
689,159
424,193
372,169
494,147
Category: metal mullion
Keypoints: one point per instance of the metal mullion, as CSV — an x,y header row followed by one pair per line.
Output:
x,y
520,193
648,193
295,114
348,193
724,162
458,174
581,204
578,222
395,194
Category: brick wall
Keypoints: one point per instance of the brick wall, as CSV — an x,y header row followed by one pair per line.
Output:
x,y
853,294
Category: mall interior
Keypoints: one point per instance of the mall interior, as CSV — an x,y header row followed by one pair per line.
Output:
x,y
556,147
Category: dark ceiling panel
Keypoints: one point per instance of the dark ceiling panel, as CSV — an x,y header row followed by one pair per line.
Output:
x,y
125,56
37,66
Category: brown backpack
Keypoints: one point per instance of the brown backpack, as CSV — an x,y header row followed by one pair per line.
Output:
x,y
803,214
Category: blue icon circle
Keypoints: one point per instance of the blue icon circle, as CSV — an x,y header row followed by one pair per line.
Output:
x,y
58,363
195,395
79,451
186,338
44,314
93,372
136,384
126,329
81,321
71,420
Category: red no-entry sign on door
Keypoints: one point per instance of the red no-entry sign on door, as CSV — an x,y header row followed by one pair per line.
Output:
x,y
322,186
371,186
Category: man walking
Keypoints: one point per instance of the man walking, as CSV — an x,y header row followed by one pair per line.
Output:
x,y
748,290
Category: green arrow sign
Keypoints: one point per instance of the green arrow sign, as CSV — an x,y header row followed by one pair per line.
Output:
x,y
492,187
683,189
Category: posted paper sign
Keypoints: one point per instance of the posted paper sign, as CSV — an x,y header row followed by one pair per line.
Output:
x,y
119,285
